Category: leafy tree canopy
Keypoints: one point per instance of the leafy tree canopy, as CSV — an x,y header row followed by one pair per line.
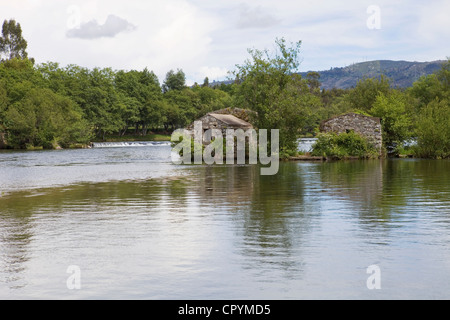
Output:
x,y
12,43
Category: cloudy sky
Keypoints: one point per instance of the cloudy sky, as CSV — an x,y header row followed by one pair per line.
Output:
x,y
209,37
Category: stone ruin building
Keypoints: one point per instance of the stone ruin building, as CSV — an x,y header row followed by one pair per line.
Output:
x,y
366,126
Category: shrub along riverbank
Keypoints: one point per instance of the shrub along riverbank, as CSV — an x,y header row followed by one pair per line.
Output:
x,y
344,145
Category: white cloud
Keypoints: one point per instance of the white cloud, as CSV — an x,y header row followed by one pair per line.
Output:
x,y
20,4
255,17
93,30
206,38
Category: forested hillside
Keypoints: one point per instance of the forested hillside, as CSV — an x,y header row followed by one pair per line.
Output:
x,y
401,73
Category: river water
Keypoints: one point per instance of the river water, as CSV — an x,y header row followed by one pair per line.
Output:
x,y
123,222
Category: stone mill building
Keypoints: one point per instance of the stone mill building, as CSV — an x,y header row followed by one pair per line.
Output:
x,y
366,126
223,119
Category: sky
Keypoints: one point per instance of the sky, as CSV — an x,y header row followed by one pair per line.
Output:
x,y
208,38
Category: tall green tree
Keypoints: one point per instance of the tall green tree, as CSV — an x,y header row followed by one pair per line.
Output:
x,y
396,118
432,94
433,130
270,86
142,99
431,87
205,82
151,112
174,80
313,79
12,43
364,95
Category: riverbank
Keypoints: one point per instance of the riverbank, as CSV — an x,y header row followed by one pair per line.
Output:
x,y
308,157
113,138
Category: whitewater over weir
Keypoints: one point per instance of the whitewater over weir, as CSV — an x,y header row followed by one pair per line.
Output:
x,y
130,144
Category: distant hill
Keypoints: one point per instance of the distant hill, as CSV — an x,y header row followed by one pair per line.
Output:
x,y
402,73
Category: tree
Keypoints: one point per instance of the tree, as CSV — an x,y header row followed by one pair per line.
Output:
x,y
182,107
433,86
3,101
151,109
270,86
205,82
42,118
433,130
433,108
444,77
207,99
363,96
312,78
174,80
395,119
12,43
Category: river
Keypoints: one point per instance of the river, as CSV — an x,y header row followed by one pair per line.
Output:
x,y
123,222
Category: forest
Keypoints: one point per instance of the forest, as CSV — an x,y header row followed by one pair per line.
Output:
x,y
51,106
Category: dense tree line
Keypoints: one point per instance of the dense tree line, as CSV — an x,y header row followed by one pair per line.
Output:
x,y
48,105
420,113
269,84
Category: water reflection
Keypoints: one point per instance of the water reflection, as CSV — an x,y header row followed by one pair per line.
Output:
x,y
267,212
219,230
16,237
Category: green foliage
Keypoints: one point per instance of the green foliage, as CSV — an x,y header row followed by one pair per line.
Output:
x,y
312,78
364,95
395,117
115,101
174,81
433,130
269,86
402,73
12,43
3,100
36,116
432,94
425,90
140,96
43,118
434,86
339,146
46,106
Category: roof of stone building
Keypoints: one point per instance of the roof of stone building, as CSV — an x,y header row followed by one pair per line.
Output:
x,y
230,120
243,114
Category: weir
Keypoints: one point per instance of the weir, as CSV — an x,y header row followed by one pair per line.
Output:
x,y
124,144
305,144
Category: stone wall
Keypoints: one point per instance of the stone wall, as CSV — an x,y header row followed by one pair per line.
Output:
x,y
368,127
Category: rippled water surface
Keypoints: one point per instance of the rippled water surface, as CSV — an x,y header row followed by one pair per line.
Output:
x,y
139,227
